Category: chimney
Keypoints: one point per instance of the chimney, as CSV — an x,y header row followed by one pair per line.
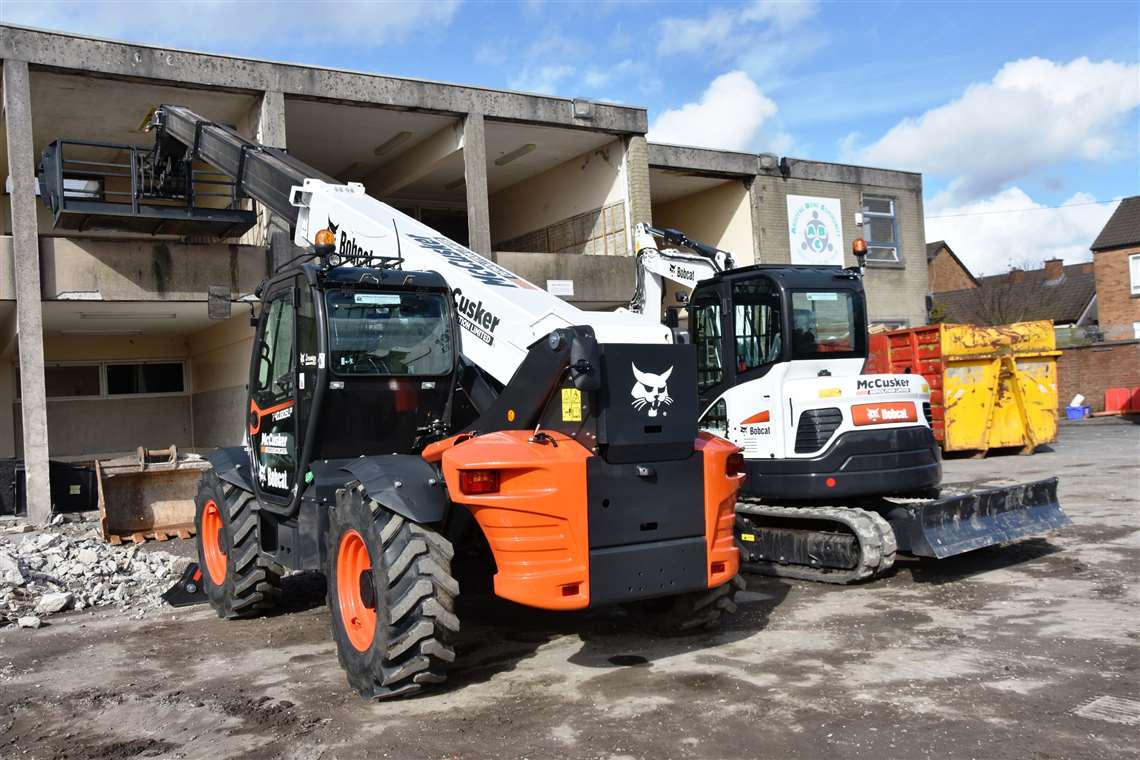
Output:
x,y
1016,276
1054,268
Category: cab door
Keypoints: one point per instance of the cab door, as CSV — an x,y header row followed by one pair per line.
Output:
x,y
272,418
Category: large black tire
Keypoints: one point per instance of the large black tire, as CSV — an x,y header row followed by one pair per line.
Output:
x,y
409,589
250,582
694,612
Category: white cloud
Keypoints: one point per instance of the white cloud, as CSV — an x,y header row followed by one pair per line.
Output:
x,y
782,14
544,80
726,32
1034,113
728,116
240,26
990,234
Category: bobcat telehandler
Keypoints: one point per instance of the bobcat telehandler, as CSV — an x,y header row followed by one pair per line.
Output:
x,y
843,468
411,401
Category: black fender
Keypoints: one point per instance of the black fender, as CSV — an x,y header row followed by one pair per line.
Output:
x,y
403,483
232,466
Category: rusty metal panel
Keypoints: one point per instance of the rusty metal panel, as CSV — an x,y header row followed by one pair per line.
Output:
x,y
148,496
999,386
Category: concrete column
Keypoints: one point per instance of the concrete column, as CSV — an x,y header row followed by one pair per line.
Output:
x,y
639,203
26,266
475,175
269,130
756,201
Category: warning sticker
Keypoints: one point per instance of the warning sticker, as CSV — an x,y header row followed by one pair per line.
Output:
x,y
571,405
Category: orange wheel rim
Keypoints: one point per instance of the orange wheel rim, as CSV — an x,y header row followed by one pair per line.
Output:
x,y
211,538
356,593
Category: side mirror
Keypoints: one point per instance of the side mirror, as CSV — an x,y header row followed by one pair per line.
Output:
x,y
218,305
585,363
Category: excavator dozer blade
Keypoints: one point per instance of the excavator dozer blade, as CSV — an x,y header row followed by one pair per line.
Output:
x,y
963,522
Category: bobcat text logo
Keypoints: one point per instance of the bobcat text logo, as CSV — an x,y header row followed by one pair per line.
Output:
x,y
676,271
650,391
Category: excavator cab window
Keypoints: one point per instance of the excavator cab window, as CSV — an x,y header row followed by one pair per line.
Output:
x,y
827,324
710,363
756,321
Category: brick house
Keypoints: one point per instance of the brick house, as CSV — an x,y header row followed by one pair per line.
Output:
x,y
945,270
1065,295
1116,251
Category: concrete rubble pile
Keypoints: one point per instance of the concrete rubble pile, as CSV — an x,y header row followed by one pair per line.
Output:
x,y
70,568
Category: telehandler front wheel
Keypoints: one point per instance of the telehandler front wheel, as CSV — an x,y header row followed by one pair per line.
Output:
x,y
238,580
392,598
693,612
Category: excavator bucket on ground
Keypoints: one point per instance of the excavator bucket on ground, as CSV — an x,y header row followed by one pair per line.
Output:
x,y
148,496
959,523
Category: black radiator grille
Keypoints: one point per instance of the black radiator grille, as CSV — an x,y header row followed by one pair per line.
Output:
x,y
816,428
926,413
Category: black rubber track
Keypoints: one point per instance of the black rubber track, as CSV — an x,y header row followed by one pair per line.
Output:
x,y
253,581
693,612
416,624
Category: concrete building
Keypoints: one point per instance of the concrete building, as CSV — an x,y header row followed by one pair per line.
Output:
x,y
105,340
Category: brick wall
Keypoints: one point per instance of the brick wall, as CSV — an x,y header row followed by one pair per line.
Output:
x,y
947,274
1116,306
897,293
1089,370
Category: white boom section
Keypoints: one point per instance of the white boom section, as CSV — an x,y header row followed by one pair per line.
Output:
x,y
655,265
500,314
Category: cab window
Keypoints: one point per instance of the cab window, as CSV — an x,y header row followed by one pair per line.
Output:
x,y
374,333
826,323
756,323
710,367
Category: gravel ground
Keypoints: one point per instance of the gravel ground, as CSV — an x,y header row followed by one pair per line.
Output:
x,y
1023,651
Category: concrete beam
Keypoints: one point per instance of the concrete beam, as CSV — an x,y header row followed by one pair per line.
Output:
x,y
144,270
26,265
416,162
83,54
600,282
475,175
703,160
798,168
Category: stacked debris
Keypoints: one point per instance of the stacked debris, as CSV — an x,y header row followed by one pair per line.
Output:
x,y
68,567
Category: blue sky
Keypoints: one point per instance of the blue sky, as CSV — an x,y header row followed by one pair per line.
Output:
x,y
1004,107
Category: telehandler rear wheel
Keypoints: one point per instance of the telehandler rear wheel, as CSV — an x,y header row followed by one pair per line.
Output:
x,y
392,598
693,612
239,581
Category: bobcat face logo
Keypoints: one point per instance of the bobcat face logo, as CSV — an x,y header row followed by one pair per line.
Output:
x,y
333,227
650,391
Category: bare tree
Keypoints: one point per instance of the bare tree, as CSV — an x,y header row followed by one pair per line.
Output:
x,y
1002,299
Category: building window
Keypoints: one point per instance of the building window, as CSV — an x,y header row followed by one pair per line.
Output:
x,y
138,378
1134,273
71,380
880,228
111,379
